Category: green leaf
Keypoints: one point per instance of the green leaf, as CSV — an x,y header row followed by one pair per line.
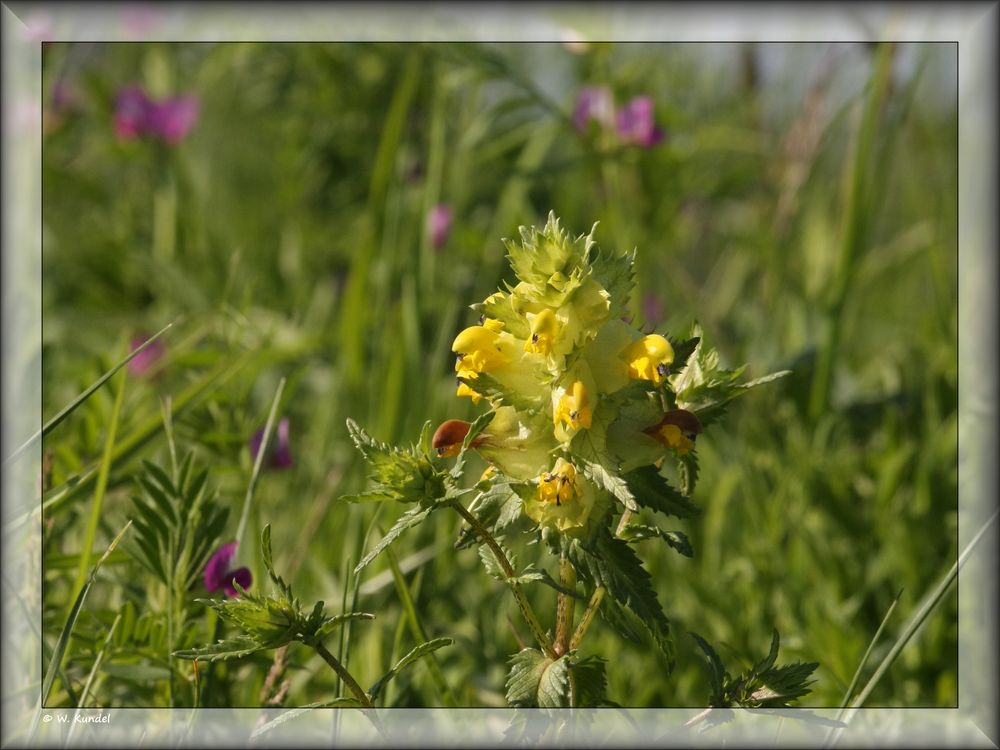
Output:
x,y
232,648
590,681
784,684
768,661
688,471
617,275
533,574
612,563
406,521
676,539
332,623
683,349
608,479
553,687
475,429
651,490
526,669
496,508
717,673
422,650
490,562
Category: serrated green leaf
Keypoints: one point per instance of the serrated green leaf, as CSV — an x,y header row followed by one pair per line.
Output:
x,y
422,650
540,575
617,275
612,563
768,661
786,683
332,623
491,563
553,686
590,681
651,490
683,349
608,479
526,668
688,471
717,673
232,648
406,521
676,539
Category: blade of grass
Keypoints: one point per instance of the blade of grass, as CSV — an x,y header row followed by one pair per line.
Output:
x,y
57,497
93,673
72,406
67,631
868,651
259,461
418,631
855,222
102,483
931,602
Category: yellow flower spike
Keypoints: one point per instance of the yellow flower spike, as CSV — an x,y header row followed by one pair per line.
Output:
x,y
559,485
648,358
544,327
573,408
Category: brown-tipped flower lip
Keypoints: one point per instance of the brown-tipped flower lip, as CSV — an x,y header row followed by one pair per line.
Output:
x,y
682,418
450,435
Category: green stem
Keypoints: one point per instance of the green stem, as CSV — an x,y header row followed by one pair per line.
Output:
x,y
565,606
588,616
344,675
522,601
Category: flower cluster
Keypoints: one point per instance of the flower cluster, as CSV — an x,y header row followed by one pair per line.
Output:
x,y
576,392
136,114
633,123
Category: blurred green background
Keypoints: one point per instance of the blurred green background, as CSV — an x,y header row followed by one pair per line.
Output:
x,y
802,207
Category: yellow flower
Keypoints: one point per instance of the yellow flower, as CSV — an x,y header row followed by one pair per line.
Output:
x,y
648,358
573,407
564,500
678,429
478,349
558,486
544,328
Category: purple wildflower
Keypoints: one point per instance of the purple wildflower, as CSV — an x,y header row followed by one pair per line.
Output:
x,y
219,576
439,224
593,103
147,359
133,110
279,454
170,119
634,123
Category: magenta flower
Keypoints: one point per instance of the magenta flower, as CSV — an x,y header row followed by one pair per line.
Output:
x,y
279,454
593,103
133,111
439,224
63,97
219,576
147,359
138,115
635,124
172,119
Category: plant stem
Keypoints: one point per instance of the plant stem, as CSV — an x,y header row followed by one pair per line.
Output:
x,y
565,605
508,570
588,615
344,675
